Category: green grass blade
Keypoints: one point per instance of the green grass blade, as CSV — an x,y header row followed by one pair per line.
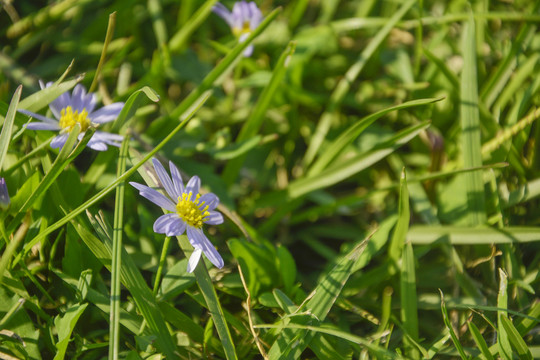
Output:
x,y
470,127
321,301
134,282
114,325
409,307
44,97
349,78
380,352
458,235
344,169
179,39
65,325
503,342
448,325
395,249
480,342
217,72
348,136
255,120
7,126
515,339
61,161
132,104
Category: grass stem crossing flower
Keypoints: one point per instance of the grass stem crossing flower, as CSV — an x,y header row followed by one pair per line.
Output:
x,y
243,19
77,108
189,210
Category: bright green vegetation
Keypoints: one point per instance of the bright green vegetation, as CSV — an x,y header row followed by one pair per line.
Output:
x,y
377,164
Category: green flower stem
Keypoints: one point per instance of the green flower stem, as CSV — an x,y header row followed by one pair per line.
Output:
x,y
164,252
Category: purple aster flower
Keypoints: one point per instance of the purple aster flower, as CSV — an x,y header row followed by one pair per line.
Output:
x,y
77,108
189,211
4,195
244,18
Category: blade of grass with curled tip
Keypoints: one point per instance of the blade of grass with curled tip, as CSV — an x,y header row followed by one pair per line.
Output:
x,y
342,88
347,137
7,126
114,325
335,173
470,128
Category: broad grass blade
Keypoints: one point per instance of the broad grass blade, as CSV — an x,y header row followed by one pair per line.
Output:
x,y
322,299
470,126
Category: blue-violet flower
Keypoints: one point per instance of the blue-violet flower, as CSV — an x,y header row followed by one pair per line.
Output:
x,y
189,211
243,19
4,195
77,108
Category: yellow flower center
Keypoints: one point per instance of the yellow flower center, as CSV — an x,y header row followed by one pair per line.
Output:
x,y
68,119
191,211
245,29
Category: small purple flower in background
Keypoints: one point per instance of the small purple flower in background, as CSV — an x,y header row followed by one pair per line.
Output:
x,y
77,108
189,211
244,18
4,195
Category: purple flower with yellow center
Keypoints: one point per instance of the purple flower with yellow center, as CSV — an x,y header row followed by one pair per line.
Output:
x,y
189,210
4,195
243,19
77,108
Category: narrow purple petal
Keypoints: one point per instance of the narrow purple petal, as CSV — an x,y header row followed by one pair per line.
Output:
x,y
176,228
162,222
176,179
77,98
194,260
59,141
223,12
42,126
89,102
107,113
38,116
96,144
249,50
215,218
165,179
255,17
154,196
108,138
196,236
60,103
210,200
193,185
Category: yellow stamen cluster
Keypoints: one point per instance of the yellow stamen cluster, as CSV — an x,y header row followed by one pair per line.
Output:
x,y
245,29
68,119
191,211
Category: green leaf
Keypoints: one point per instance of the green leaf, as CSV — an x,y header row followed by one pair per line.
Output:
x,y
515,339
65,325
134,101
